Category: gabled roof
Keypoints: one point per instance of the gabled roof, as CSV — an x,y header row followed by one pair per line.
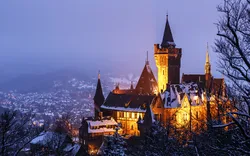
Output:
x,y
167,39
147,83
99,97
177,92
127,102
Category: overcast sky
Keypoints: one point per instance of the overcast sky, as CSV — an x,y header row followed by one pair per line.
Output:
x,y
40,35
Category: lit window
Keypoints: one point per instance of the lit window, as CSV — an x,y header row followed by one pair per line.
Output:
x,y
133,115
185,116
121,114
130,115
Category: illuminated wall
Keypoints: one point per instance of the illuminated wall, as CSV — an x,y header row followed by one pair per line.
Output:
x,y
128,121
168,61
161,63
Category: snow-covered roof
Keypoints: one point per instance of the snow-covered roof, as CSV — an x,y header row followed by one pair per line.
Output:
x,y
104,122
141,110
127,102
72,149
101,126
40,138
176,93
101,130
45,138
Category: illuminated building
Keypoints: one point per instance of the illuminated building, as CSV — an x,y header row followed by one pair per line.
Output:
x,y
180,104
128,105
93,129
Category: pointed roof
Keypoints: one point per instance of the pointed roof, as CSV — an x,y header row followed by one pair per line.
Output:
x,y
207,56
131,86
207,64
99,97
167,39
147,83
148,117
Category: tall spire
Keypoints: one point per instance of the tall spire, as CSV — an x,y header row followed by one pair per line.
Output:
x,y
99,97
207,55
207,64
99,75
167,39
147,62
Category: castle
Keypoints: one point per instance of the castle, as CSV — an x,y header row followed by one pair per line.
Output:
x,y
170,100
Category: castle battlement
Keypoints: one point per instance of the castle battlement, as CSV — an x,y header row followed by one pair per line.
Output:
x,y
169,51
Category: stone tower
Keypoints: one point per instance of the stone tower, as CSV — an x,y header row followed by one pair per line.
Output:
x,y
168,60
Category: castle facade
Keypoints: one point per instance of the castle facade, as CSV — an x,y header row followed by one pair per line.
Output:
x,y
171,99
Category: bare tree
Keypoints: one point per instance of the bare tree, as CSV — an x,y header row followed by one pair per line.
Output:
x,y
63,125
16,131
233,48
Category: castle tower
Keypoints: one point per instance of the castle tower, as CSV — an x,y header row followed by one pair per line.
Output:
x,y
208,74
99,97
168,60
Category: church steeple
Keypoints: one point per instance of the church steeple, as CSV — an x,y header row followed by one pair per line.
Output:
x,y
167,39
99,97
208,75
207,64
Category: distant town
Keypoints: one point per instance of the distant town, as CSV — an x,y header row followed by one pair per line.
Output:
x,y
74,97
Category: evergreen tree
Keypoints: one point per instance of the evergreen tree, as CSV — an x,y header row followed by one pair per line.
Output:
x,y
114,145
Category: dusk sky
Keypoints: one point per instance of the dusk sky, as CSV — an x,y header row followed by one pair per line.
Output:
x,y
42,35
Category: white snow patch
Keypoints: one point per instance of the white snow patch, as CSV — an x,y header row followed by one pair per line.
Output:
x,y
124,109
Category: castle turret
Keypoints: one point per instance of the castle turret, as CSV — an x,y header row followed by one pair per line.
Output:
x,y
145,124
99,97
168,60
